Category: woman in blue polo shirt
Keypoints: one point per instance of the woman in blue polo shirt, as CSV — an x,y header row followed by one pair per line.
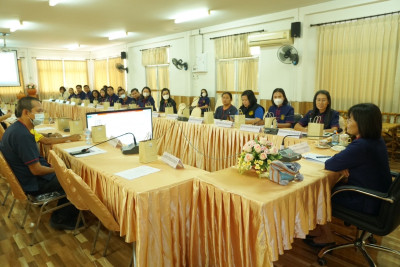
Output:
x,y
283,112
227,110
146,99
253,112
321,107
167,101
204,101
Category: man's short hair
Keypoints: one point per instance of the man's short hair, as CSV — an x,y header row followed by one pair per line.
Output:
x,y
24,103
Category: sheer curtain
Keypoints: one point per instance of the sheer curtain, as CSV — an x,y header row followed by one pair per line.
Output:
x,y
50,74
155,56
100,74
116,77
359,62
9,94
248,74
76,72
233,46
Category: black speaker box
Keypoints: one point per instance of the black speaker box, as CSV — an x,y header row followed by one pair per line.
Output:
x,y
295,30
123,55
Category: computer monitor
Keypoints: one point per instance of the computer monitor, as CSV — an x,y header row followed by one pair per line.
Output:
x,y
136,121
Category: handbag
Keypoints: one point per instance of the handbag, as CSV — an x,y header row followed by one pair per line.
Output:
x,y
239,119
106,105
62,123
86,102
169,109
284,172
270,120
99,133
117,106
148,151
209,116
132,106
315,128
75,127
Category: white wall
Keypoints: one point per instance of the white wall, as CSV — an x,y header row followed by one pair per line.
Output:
x,y
298,81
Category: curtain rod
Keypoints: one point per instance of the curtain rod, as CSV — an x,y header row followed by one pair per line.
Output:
x,y
155,47
234,34
338,21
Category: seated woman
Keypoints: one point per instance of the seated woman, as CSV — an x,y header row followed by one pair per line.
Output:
x,y
251,109
146,99
71,93
321,107
95,96
283,112
103,95
124,99
63,93
364,162
227,110
204,101
167,101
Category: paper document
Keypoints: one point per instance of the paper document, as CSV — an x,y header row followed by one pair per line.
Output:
x,y
316,157
42,129
134,173
92,151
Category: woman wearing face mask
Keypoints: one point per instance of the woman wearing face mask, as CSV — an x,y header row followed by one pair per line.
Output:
x,y
283,112
253,112
227,110
146,99
204,101
167,101
322,108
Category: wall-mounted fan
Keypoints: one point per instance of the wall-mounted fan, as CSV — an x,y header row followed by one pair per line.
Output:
x,y
179,64
121,67
288,54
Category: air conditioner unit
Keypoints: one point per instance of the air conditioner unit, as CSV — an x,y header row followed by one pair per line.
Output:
x,y
270,38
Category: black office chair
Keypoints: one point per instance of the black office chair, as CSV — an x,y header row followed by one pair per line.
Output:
x,y
296,118
382,224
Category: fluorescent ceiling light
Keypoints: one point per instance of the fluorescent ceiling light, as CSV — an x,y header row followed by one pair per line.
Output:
x,y
16,26
54,2
192,15
117,35
73,46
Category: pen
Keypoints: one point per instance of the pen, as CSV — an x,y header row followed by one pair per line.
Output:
x,y
322,157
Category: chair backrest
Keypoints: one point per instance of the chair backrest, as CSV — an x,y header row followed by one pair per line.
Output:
x,y
195,101
342,123
196,112
65,181
1,132
218,103
7,172
93,202
389,215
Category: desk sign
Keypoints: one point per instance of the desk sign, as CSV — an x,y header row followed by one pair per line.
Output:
x,y
172,161
172,116
251,128
196,120
300,148
72,103
291,133
59,101
155,114
225,124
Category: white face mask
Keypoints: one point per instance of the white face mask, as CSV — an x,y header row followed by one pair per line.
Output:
x,y
165,97
123,96
39,118
203,94
146,94
278,101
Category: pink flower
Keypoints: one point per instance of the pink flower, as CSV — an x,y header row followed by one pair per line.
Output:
x,y
269,143
263,156
257,148
274,150
247,148
263,141
266,151
248,157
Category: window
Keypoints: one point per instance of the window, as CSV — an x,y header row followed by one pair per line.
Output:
x,y
106,73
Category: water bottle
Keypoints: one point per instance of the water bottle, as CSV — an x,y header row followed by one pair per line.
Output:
x,y
335,138
87,137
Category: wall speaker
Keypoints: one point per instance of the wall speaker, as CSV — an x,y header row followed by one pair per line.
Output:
x,y
295,30
123,54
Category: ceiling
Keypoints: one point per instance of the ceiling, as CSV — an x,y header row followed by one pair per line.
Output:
x,y
89,22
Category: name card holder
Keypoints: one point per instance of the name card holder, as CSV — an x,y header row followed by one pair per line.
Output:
x,y
72,103
300,148
59,101
294,134
155,114
82,104
251,128
196,120
225,124
172,116
172,161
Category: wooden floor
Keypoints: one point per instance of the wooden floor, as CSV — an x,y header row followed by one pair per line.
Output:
x,y
62,248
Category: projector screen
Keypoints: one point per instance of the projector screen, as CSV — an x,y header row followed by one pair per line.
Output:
x,y
9,74
136,121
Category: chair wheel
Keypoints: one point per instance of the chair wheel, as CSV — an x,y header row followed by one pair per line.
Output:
x,y
371,239
321,261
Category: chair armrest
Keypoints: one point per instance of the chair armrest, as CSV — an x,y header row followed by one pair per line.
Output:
x,y
364,191
395,174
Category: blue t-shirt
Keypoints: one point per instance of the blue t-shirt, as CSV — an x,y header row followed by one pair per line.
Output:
x,y
20,150
283,114
149,101
127,101
112,99
333,123
368,165
222,114
203,101
88,95
81,95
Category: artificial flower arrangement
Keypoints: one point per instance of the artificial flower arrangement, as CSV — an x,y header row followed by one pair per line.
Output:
x,y
30,86
258,154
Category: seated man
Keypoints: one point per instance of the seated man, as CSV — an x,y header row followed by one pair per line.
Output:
x,y
35,175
